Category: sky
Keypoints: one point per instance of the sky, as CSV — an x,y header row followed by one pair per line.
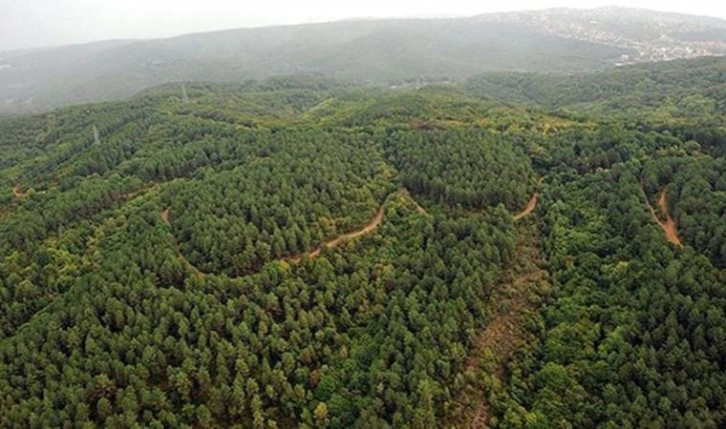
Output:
x,y
37,23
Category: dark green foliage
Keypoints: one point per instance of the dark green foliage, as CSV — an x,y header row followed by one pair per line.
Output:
x,y
633,336
110,316
462,167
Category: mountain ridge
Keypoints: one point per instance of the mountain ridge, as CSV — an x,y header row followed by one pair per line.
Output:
x,y
380,51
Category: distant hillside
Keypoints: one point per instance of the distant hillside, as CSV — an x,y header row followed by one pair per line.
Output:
x,y
679,89
373,51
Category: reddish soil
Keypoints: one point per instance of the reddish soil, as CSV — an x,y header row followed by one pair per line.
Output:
x,y
367,229
420,209
669,226
531,205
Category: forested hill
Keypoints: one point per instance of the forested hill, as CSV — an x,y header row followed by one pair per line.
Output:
x,y
679,90
302,252
387,52
685,97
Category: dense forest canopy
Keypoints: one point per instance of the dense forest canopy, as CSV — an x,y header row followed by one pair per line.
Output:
x,y
304,252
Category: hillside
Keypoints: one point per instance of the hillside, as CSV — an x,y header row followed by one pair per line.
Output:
x,y
307,252
374,51
680,90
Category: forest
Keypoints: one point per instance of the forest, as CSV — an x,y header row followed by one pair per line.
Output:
x,y
514,251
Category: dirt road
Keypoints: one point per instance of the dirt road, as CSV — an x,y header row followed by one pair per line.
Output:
x,y
669,226
367,229
529,209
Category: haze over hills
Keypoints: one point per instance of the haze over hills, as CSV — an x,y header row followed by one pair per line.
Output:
x,y
365,51
655,36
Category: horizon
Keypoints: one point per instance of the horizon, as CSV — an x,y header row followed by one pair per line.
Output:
x,y
311,20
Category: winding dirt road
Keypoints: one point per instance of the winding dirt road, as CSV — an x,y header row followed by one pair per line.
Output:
x,y
669,226
368,228
165,217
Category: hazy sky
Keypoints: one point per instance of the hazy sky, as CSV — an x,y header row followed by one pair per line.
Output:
x,y
34,23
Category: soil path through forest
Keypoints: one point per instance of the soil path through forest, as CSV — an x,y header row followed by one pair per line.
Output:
x,y
165,217
17,192
669,226
370,227
531,205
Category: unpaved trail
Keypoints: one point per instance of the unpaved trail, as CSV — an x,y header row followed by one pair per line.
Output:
x,y
367,229
17,192
530,207
371,226
165,217
131,195
669,226
504,333
419,208
532,204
